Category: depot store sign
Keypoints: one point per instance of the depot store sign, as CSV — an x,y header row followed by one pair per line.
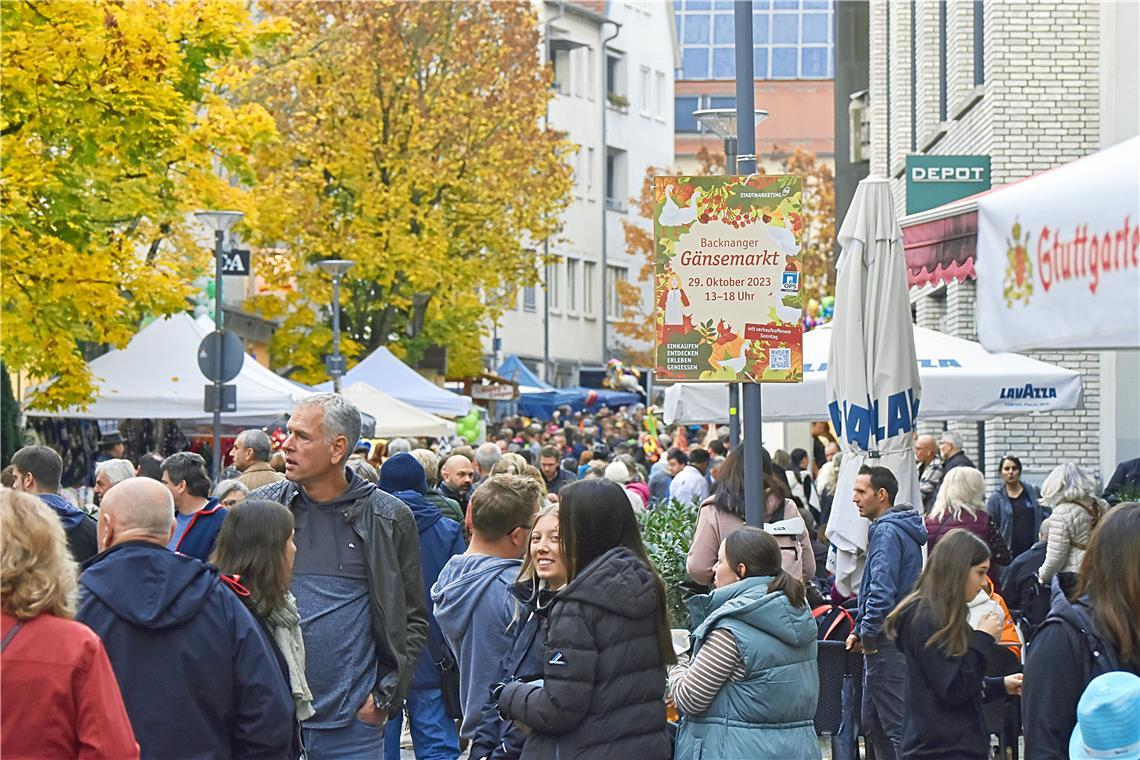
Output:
x,y
934,180
1058,261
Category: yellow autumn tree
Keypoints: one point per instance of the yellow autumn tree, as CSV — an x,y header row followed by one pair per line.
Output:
x,y
636,320
114,127
413,143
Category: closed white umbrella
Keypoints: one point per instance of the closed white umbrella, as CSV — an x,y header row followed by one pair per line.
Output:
x,y
873,387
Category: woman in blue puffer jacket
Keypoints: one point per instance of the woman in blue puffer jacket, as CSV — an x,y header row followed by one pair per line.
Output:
x,y
752,685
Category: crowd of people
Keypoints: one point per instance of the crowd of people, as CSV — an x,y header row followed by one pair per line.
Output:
x,y
501,601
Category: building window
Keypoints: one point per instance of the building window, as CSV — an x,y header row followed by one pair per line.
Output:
x,y
616,186
571,284
552,285
942,75
643,92
613,300
979,43
659,95
683,119
529,299
590,172
615,75
590,72
588,275
562,71
577,70
792,39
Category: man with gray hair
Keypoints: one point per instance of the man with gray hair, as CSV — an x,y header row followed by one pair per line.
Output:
x,y
357,580
251,454
108,473
486,457
198,675
950,446
399,446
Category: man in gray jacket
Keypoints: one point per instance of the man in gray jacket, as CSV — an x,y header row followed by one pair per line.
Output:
x,y
357,580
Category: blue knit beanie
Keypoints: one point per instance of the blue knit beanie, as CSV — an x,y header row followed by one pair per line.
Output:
x,y
402,472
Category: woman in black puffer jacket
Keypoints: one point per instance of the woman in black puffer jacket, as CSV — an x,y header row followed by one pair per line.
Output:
x,y
607,642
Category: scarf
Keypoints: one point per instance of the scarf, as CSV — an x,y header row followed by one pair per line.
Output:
x,y
285,623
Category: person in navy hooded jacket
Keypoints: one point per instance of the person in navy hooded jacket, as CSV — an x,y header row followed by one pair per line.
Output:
x,y
894,561
433,732
199,517
38,470
198,676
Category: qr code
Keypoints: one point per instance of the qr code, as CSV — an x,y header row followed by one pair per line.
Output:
x,y
780,358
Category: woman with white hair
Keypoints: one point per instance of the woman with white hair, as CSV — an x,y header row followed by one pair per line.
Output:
x,y
1072,494
961,504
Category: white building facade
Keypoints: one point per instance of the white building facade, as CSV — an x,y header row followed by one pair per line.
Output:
x,y
614,65
1032,86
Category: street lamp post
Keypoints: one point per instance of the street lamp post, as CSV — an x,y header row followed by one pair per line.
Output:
x,y
220,222
746,164
722,123
335,268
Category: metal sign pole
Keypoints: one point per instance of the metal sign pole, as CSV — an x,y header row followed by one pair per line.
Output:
x,y
746,164
219,241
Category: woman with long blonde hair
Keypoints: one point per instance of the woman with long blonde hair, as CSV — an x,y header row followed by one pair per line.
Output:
x,y
68,702
947,659
960,503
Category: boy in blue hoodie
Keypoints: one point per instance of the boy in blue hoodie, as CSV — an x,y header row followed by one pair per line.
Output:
x,y
433,732
894,561
473,603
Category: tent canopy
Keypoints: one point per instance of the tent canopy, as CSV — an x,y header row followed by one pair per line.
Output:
x,y
960,380
394,417
538,398
157,377
383,371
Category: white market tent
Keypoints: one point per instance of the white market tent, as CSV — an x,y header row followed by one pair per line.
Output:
x,y
394,417
960,380
382,370
157,377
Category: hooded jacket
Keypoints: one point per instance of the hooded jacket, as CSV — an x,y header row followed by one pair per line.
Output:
x,y
475,610
198,676
82,534
396,590
1065,654
771,711
603,688
894,561
440,540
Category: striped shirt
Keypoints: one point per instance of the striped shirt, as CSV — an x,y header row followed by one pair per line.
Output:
x,y
694,685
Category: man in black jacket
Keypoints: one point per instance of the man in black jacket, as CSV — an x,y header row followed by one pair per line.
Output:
x,y
357,580
950,447
38,470
552,472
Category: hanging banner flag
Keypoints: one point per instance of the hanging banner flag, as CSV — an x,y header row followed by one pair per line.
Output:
x,y
1058,259
727,282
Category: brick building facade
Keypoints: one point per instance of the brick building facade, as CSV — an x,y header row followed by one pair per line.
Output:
x,y
1018,82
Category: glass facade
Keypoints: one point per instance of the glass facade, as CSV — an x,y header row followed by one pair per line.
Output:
x,y
792,39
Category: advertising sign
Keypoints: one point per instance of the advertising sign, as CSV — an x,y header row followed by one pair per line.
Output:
x,y
934,180
1058,258
727,279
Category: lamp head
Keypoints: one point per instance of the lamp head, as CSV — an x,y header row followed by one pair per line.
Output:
x,y
335,267
219,220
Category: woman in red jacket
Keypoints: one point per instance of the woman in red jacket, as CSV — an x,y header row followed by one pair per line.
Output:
x,y
62,699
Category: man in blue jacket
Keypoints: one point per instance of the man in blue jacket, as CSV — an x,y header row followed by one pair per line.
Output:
x,y
198,517
473,601
433,732
199,677
893,564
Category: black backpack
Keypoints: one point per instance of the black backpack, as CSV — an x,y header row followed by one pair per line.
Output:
x,y
835,623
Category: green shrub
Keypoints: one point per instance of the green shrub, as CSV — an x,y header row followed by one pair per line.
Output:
x,y
667,532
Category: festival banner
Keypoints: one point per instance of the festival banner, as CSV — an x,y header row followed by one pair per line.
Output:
x,y
727,281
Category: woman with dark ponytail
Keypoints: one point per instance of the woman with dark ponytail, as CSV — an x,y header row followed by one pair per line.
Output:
x,y
752,685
